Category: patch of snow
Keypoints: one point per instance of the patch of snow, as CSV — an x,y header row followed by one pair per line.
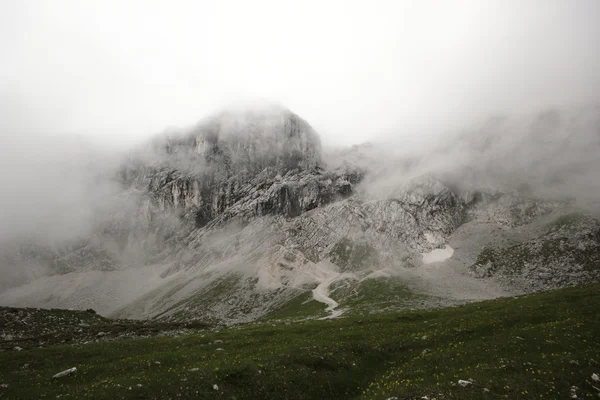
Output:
x,y
437,255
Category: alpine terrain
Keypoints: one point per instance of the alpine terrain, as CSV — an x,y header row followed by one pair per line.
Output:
x,y
246,217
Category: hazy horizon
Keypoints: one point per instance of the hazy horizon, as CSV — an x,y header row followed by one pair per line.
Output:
x,y
119,72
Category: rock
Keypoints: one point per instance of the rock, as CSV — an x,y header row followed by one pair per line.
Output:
x,y
595,377
17,348
573,392
194,369
3,385
464,383
215,387
67,372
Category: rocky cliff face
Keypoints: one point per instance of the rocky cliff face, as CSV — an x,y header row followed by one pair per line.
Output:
x,y
239,215
230,157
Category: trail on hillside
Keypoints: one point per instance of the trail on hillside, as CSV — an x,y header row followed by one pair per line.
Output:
x,y
327,276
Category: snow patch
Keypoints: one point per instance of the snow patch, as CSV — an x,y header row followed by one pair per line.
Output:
x,y
437,255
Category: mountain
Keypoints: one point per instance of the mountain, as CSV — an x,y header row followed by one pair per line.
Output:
x,y
244,216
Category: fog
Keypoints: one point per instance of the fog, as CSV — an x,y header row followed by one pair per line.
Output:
x,y
82,83
120,71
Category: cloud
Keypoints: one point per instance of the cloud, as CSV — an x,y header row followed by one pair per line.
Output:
x,y
119,71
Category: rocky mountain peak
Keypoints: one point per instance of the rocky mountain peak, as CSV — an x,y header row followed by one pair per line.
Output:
x,y
239,163
250,140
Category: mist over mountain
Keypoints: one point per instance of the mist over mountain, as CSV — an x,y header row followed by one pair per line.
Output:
x,y
247,201
268,199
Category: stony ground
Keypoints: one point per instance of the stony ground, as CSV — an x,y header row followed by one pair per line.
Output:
x,y
27,328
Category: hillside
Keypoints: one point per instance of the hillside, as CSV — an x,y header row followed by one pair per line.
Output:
x,y
244,217
550,353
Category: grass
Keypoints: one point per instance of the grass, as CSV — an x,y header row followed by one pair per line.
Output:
x,y
535,346
208,297
300,307
376,295
355,298
33,327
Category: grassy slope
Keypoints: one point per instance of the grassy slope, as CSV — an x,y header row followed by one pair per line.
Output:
x,y
536,346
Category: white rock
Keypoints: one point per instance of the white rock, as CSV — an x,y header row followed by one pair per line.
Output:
x,y
17,348
574,392
595,378
66,372
194,369
464,383
215,386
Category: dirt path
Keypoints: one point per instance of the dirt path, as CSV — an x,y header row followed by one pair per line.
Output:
x,y
327,275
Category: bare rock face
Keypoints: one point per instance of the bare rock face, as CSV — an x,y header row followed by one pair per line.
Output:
x,y
567,252
418,217
245,163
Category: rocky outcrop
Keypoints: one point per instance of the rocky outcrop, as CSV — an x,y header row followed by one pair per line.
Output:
x,y
567,253
238,164
416,218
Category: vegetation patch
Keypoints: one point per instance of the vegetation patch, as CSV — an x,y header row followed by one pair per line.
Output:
x,y
535,346
376,295
300,307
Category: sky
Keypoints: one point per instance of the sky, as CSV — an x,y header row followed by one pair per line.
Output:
x,y
117,72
